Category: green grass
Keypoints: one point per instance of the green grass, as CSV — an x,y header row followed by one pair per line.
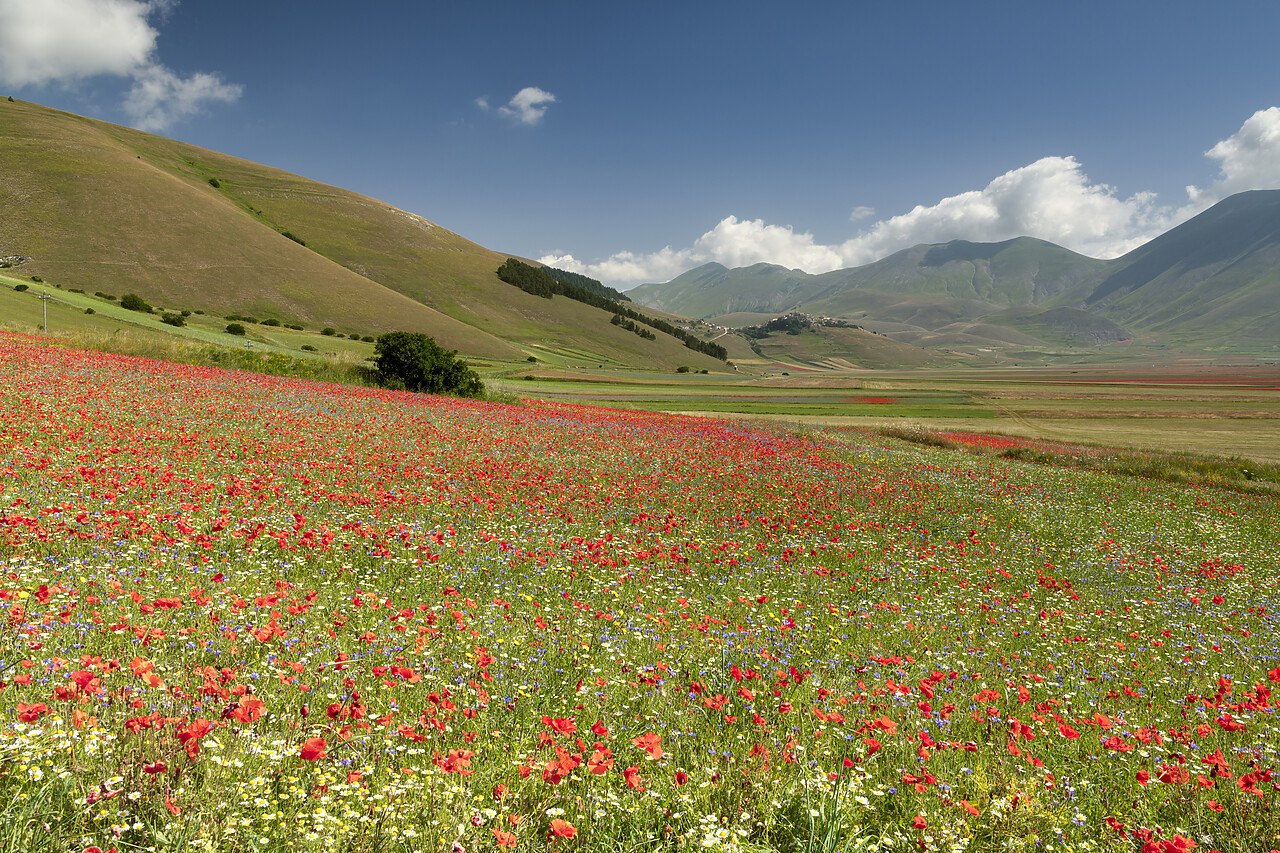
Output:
x,y
452,613
1219,410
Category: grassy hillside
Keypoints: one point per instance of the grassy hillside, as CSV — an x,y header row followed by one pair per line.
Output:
x,y
843,348
1214,277
99,207
714,291
105,208
1022,271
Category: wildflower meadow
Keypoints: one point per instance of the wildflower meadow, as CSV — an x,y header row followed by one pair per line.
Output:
x,y
248,613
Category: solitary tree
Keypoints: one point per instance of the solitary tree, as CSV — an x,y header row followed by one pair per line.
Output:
x,y
134,302
415,362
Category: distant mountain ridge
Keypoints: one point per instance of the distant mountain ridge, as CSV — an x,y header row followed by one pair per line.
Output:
x,y
1213,281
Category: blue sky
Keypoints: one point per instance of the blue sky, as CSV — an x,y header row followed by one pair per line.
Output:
x,y
633,141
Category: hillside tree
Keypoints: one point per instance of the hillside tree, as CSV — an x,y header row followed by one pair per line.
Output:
x,y
415,362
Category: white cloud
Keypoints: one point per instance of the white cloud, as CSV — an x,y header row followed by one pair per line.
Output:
x,y
56,41
159,97
528,105
60,42
1248,160
627,268
861,212
733,242
1052,199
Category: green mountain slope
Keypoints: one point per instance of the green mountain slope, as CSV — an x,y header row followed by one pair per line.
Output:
x,y
1213,281
1214,278
99,207
713,290
1022,271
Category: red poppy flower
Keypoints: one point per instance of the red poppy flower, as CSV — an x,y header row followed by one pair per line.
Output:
x,y
600,761
248,709
31,713
632,777
650,743
314,748
563,829
563,725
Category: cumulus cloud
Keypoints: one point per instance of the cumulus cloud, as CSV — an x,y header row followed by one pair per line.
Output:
x,y
1247,160
861,212
61,42
733,242
1052,199
159,97
528,105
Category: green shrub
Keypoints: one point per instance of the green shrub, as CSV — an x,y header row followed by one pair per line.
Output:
x,y
533,359
355,336
682,369
235,329
134,302
173,319
271,321
1027,454
918,435
21,287
90,311
368,339
37,279
102,295
215,183
329,331
415,362
309,348
297,327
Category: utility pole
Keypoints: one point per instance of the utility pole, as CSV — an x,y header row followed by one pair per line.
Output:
x,y
44,300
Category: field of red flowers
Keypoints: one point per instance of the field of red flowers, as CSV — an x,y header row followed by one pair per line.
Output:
x,y
1005,442
247,613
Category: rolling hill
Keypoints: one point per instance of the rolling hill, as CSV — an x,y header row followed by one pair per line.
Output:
x,y
98,207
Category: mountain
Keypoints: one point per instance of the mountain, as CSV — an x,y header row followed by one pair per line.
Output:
x,y
94,206
1215,277
713,290
1212,282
